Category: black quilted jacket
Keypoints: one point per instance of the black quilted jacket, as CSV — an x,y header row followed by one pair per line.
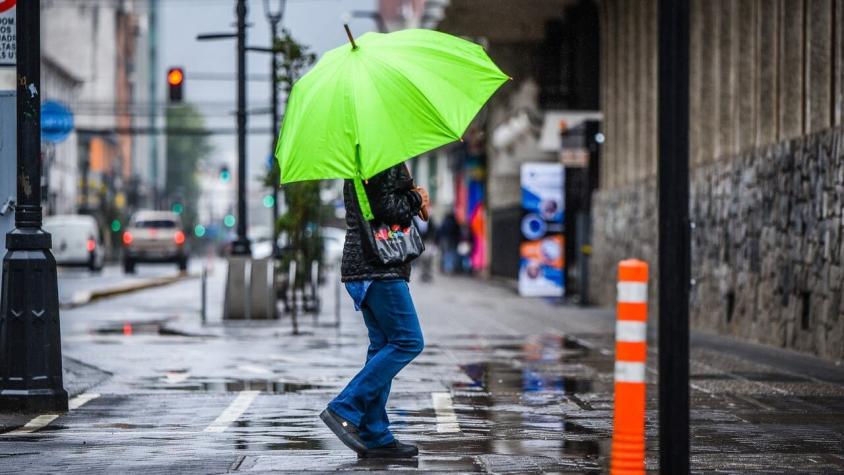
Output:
x,y
392,200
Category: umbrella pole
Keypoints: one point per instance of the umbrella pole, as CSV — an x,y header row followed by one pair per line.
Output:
x,y
349,34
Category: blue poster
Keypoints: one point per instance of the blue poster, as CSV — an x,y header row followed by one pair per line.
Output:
x,y
542,249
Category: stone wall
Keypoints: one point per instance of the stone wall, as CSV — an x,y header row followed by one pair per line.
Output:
x,y
767,247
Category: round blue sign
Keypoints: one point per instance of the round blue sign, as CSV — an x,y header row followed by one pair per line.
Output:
x,y
56,121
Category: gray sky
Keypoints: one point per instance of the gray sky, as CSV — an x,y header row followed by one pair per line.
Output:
x,y
317,23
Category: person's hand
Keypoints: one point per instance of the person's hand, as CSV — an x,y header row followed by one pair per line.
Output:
x,y
426,201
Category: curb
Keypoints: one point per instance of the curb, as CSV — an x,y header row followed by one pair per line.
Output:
x,y
84,297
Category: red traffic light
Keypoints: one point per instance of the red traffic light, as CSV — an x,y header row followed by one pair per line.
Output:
x,y
175,81
175,76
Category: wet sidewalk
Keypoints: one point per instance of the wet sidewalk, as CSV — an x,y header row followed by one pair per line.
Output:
x,y
505,385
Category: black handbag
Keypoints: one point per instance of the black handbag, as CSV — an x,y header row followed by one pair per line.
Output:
x,y
385,244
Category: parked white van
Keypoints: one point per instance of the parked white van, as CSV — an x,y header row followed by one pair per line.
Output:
x,y
76,240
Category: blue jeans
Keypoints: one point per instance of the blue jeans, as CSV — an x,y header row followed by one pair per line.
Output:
x,y
395,338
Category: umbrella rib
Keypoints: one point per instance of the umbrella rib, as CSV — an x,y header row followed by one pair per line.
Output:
x,y
400,136
442,120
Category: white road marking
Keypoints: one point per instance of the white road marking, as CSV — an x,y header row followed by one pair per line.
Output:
x,y
80,297
81,400
236,409
254,369
176,377
444,409
40,422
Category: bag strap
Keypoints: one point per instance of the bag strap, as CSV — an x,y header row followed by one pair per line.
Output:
x,y
360,191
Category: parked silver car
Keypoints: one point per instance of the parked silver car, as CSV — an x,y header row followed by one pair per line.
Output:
x,y
154,236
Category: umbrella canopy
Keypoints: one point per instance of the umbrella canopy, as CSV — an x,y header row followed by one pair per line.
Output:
x,y
365,108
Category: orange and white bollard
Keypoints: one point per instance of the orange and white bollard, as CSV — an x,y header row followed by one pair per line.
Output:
x,y
631,351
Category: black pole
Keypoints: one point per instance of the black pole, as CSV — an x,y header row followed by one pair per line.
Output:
x,y
277,172
674,246
241,246
30,339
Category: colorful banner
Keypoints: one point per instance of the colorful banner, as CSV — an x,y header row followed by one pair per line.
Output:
x,y
541,269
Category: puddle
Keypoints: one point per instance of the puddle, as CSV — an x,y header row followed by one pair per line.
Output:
x,y
155,327
166,383
497,377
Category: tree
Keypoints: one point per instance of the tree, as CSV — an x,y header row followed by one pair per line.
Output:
x,y
305,211
184,154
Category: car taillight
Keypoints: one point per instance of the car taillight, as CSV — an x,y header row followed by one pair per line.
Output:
x,y
127,238
179,237
91,245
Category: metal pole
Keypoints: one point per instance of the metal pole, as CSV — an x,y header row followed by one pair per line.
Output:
x,y
241,246
294,306
204,294
153,97
674,246
274,88
30,339
337,303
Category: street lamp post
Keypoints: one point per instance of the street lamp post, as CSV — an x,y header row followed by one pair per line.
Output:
x,y
674,236
241,246
30,338
274,17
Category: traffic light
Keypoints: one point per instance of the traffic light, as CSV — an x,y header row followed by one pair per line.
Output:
x,y
175,81
225,174
177,207
269,201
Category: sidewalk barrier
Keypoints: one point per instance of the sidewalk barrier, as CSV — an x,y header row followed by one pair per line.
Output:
x,y
628,437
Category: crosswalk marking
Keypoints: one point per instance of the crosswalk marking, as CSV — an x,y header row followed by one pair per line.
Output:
x,y
81,400
236,409
40,422
444,409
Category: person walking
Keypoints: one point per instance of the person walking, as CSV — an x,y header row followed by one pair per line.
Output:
x,y
358,415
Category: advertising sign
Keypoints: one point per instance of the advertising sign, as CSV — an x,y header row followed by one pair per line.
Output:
x,y
542,256
8,32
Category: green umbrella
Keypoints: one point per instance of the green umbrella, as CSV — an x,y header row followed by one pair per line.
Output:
x,y
381,100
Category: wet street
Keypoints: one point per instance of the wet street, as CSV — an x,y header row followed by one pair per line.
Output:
x,y
505,385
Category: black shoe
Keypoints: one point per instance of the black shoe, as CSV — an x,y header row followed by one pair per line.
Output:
x,y
344,430
393,450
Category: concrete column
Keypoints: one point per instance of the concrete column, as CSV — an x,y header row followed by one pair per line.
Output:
x,y
819,63
791,89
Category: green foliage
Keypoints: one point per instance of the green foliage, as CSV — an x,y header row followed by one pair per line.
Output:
x,y
305,211
301,225
295,57
184,154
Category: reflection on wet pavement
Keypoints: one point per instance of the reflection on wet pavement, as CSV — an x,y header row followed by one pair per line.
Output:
x,y
155,327
225,385
518,398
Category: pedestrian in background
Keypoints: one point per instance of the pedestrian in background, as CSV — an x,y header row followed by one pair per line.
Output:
x,y
448,237
425,263
358,415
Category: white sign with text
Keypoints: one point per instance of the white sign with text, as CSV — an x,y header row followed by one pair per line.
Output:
x,y
8,33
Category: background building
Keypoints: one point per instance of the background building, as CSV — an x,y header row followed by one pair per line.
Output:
x,y
767,184
551,49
